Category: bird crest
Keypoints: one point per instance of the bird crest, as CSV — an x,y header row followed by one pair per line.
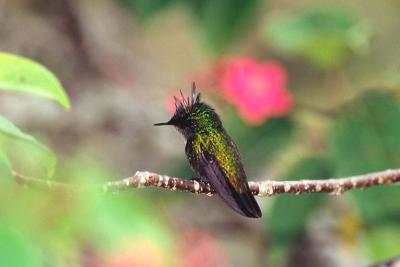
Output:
x,y
184,105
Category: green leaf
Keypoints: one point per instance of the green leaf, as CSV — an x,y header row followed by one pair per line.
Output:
x,y
24,151
323,35
16,251
289,214
366,138
24,75
223,20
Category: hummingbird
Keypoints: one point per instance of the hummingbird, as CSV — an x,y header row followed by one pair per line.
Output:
x,y
212,153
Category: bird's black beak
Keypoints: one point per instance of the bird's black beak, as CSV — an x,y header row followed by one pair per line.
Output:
x,y
164,123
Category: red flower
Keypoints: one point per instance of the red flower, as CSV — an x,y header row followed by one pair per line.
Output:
x,y
257,90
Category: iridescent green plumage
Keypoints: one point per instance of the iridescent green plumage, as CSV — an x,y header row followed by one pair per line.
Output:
x,y
219,144
212,153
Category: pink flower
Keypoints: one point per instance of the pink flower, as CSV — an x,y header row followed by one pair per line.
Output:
x,y
257,90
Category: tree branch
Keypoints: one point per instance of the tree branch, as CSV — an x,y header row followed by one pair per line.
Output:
x,y
262,189
389,263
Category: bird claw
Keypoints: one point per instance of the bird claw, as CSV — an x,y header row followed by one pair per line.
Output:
x,y
199,179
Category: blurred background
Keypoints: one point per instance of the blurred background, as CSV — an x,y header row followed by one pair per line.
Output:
x,y
308,89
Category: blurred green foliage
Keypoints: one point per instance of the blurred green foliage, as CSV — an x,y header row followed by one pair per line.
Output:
x,y
262,143
118,218
365,138
20,74
62,227
323,35
14,143
382,243
22,152
221,21
290,213
16,251
114,220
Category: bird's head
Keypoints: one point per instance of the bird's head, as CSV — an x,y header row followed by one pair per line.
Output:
x,y
193,116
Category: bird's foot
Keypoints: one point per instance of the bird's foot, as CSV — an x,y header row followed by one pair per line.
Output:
x,y
198,179
201,180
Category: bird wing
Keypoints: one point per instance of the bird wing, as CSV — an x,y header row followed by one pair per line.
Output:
x,y
242,201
